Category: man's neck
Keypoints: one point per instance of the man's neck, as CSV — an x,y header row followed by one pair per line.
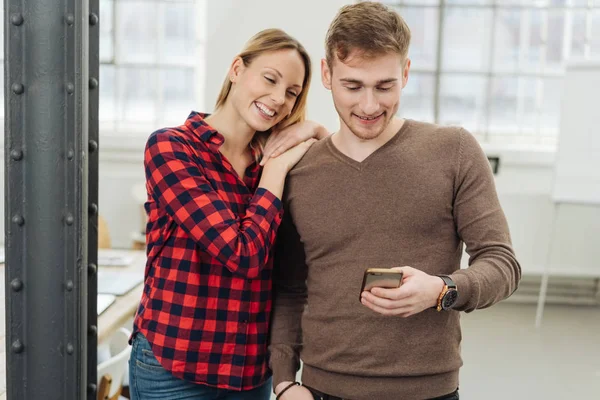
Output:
x,y
359,149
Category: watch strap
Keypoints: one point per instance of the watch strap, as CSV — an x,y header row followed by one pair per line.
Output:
x,y
448,281
448,285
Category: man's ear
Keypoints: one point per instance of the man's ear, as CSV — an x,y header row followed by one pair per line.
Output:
x,y
325,74
405,72
237,67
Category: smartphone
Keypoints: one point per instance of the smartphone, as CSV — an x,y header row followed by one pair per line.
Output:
x,y
381,277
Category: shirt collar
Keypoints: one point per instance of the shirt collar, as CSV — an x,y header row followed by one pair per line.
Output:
x,y
196,123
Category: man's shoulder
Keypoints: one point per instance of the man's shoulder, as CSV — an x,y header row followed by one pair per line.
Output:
x,y
432,141
431,131
318,152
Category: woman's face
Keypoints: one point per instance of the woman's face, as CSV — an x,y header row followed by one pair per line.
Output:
x,y
264,92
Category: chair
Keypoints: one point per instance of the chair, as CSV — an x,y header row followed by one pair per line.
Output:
x,y
103,234
111,372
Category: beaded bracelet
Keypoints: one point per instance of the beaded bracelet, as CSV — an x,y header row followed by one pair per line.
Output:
x,y
286,388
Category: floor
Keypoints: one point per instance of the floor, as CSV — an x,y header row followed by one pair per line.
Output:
x,y
505,356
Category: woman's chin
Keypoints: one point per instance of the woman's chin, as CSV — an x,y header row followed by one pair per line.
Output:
x,y
261,125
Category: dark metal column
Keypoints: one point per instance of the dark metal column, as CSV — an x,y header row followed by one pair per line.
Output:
x,y
94,72
46,189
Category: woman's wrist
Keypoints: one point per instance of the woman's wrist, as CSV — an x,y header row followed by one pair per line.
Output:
x,y
283,387
276,166
273,178
321,132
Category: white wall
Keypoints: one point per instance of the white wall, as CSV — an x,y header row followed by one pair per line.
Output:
x,y
524,182
233,22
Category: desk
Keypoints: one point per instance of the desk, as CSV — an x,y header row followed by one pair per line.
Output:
x,y
124,307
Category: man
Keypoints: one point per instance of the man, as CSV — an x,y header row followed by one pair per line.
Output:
x,y
382,192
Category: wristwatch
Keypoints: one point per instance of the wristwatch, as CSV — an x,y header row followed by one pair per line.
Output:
x,y
448,295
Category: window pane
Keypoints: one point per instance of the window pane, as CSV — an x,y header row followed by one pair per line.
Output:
x,y
595,38
507,39
423,23
556,36
177,95
550,110
108,104
462,49
528,114
578,27
530,3
470,2
179,36
137,35
462,99
513,106
503,105
411,2
138,94
534,45
581,3
106,30
417,97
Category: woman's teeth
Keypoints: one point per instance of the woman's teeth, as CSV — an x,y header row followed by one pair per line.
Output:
x,y
264,109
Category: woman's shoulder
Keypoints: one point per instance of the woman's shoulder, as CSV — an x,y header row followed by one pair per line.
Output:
x,y
169,136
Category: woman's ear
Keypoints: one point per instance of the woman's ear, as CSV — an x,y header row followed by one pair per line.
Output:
x,y
237,67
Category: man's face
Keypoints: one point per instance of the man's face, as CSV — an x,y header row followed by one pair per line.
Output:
x,y
366,91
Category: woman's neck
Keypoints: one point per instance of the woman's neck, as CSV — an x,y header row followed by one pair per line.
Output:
x,y
237,133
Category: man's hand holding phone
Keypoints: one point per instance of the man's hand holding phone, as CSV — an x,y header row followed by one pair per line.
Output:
x,y
418,291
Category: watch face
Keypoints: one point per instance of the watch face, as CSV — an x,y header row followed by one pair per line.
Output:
x,y
449,299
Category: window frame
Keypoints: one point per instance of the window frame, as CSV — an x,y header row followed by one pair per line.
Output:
x,y
489,135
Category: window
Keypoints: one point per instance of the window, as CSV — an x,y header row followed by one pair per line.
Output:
x,y
151,63
495,66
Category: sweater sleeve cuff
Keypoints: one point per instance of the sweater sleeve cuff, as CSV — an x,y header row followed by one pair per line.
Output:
x,y
283,369
467,291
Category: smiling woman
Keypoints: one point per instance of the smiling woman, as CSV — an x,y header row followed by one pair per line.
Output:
x,y
267,65
202,325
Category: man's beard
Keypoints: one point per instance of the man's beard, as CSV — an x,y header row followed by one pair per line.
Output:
x,y
365,134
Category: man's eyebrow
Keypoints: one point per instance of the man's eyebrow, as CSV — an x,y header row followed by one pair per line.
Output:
x,y
359,82
388,80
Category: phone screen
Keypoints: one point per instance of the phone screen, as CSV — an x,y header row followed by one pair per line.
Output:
x,y
381,278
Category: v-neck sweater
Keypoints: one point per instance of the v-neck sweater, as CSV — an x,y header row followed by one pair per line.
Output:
x,y
415,202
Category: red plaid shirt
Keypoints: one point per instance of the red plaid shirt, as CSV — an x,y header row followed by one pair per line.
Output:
x,y
207,293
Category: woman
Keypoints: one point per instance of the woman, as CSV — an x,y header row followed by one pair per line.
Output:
x,y
201,328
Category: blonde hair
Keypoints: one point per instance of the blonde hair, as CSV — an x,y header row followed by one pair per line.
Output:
x,y
265,41
371,28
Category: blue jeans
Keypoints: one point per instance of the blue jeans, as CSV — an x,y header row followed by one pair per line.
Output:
x,y
149,380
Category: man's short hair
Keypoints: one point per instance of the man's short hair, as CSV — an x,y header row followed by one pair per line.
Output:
x,y
368,27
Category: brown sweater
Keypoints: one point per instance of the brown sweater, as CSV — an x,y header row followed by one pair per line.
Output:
x,y
412,202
